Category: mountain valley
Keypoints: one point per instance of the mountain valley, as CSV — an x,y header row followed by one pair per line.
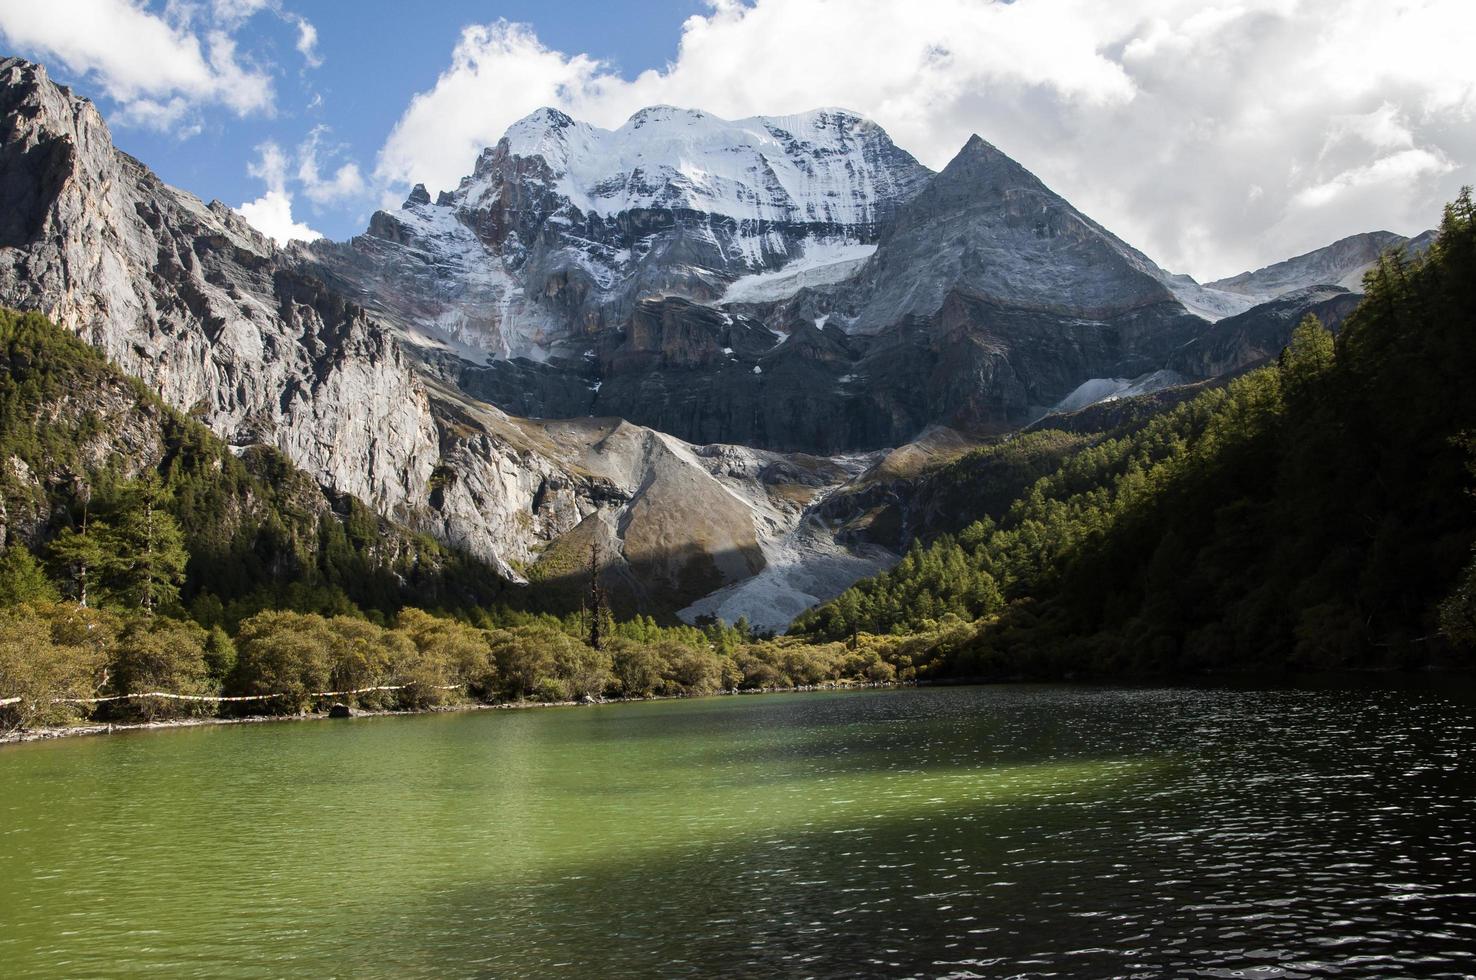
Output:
x,y
699,344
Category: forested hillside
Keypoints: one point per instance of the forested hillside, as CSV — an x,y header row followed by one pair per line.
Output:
x,y
129,502
144,555
1315,513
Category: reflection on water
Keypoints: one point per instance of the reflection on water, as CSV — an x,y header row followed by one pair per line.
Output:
x,y
1017,831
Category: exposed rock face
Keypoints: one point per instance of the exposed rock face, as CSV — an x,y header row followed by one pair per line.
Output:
x,y
223,324
562,227
1258,335
988,229
1342,263
190,298
990,298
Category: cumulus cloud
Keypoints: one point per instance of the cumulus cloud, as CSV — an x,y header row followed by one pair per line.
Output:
x,y
343,183
151,66
160,67
1215,135
271,214
312,170
499,73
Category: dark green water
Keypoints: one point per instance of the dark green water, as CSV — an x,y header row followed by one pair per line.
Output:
x,y
1016,831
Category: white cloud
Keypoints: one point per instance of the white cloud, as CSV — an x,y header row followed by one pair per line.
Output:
x,y
233,13
1390,173
344,183
156,69
174,115
498,73
1217,136
271,214
161,68
309,169
307,42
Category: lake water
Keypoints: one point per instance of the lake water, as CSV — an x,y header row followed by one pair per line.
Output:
x,y
1006,831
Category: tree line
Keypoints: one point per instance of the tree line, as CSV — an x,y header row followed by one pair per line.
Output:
x,y
57,649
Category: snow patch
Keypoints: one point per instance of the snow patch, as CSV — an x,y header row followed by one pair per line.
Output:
x,y
822,261
1207,302
1097,390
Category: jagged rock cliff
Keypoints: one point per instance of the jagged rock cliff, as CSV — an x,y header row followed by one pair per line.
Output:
x,y
224,325
561,227
188,297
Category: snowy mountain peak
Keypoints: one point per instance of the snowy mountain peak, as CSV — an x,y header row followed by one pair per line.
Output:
x,y
658,114
829,167
546,133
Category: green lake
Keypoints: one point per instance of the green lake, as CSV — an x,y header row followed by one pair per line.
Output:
x,y
984,831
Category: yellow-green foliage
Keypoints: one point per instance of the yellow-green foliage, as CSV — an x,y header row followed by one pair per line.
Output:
x,y
51,651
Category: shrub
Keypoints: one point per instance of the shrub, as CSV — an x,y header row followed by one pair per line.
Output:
x,y
526,657
159,654
690,671
47,652
637,668
359,656
462,653
283,653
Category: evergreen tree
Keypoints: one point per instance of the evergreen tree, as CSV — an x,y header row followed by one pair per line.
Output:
x,y
22,578
79,555
147,546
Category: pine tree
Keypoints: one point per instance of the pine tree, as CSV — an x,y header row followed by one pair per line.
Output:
x,y
78,555
599,607
148,547
22,579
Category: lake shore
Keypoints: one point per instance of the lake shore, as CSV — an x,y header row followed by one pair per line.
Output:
x,y
1228,680
114,728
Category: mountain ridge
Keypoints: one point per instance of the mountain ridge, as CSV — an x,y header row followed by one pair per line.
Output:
x,y
382,367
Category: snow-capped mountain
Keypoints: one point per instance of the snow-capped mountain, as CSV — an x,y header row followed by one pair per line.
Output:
x,y
732,300
562,226
791,282
828,168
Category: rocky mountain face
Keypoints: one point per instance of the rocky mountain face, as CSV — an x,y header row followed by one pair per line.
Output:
x,y
75,425
227,327
803,285
562,226
677,340
987,228
1259,334
190,298
1342,263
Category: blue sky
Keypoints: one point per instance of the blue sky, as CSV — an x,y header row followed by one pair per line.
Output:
x,y
374,55
1215,136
